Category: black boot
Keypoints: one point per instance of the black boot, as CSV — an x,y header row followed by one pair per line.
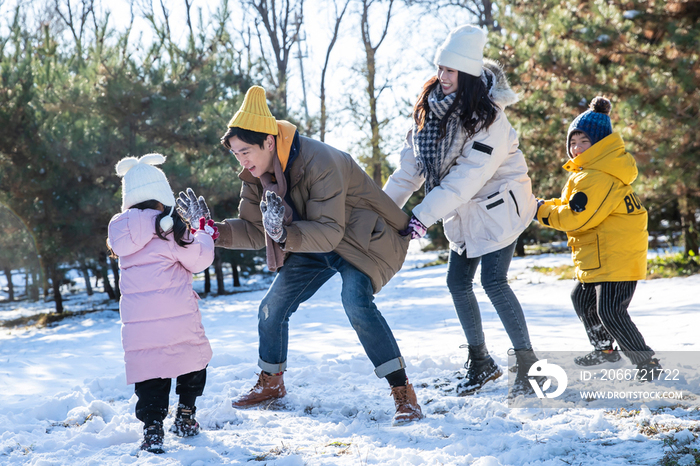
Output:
x,y
524,359
649,370
153,438
596,357
185,424
481,368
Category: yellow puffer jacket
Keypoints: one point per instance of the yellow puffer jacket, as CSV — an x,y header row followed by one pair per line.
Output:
x,y
604,219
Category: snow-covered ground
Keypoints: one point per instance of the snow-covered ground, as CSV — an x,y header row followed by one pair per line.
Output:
x,y
65,401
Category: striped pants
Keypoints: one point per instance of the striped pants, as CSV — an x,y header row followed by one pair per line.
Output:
x,y
602,307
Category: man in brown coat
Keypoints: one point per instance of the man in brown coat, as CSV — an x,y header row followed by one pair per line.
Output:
x,y
318,213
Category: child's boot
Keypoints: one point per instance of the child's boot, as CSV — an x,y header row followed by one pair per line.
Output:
x,y
185,424
153,438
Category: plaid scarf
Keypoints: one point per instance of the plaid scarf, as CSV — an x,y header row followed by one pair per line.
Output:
x,y
429,150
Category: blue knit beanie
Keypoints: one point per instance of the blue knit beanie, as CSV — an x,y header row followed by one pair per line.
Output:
x,y
594,123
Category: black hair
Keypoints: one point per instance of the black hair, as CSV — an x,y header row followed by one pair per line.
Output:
x,y
245,135
179,225
477,111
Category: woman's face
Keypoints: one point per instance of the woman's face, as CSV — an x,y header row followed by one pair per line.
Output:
x,y
448,79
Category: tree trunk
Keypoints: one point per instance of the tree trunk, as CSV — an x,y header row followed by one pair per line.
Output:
x,y
102,262
688,224
207,281
235,274
10,285
86,276
115,272
220,287
520,246
34,288
56,279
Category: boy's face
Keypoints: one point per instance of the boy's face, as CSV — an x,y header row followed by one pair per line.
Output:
x,y
578,144
256,159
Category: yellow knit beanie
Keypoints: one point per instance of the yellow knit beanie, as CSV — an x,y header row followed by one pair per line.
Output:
x,y
254,115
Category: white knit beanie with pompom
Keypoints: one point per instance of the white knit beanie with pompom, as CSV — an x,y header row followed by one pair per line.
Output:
x,y
142,181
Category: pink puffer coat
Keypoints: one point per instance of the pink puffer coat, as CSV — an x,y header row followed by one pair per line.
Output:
x,y
162,331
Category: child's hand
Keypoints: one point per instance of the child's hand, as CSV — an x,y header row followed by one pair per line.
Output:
x,y
192,208
539,204
273,216
207,226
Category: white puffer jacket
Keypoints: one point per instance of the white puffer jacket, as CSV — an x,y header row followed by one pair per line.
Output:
x,y
485,195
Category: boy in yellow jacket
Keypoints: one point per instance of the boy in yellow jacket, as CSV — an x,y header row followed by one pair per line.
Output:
x,y
607,229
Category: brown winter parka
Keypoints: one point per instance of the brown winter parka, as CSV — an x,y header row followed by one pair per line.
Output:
x,y
341,208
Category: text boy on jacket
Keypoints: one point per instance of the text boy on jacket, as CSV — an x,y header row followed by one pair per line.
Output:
x,y
607,228
162,331
318,213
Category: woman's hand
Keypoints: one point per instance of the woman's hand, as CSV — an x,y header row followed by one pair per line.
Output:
x,y
415,228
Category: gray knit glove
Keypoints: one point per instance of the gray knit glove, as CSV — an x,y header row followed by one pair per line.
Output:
x,y
191,208
273,217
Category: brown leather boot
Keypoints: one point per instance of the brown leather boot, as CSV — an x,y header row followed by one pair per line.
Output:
x,y
268,387
407,407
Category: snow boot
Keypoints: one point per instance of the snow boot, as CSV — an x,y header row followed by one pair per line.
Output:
x,y
649,370
185,424
407,407
481,368
596,357
521,386
268,387
153,436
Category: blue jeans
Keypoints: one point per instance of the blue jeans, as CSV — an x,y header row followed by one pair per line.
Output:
x,y
300,277
494,279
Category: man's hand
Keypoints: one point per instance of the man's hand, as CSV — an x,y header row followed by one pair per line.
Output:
x,y
190,208
273,216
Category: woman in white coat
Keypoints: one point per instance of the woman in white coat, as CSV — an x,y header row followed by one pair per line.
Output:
x,y
465,151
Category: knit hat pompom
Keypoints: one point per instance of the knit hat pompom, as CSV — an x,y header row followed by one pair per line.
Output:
x,y
601,105
142,181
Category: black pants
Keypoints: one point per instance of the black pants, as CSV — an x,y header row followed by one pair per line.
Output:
x,y
154,395
602,307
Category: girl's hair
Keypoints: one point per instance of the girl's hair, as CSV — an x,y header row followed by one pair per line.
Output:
x,y
476,109
179,225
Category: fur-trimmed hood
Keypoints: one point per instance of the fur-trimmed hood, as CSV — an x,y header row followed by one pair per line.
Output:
x,y
500,91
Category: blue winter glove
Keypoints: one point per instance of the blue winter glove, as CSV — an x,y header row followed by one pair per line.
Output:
x,y
415,228
273,217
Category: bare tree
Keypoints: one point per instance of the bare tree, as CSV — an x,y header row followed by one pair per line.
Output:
x,y
377,158
481,10
75,20
282,25
336,28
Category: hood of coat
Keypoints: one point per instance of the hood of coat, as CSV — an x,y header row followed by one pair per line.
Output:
x,y
609,156
500,91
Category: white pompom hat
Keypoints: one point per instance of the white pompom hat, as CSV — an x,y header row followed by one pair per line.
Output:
x,y
142,181
463,50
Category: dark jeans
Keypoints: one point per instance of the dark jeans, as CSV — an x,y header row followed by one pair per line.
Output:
x,y
300,277
494,279
154,395
602,307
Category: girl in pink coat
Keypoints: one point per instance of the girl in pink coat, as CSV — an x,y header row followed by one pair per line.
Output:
x,y
162,331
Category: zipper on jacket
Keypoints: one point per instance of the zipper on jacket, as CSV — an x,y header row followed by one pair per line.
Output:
x,y
517,210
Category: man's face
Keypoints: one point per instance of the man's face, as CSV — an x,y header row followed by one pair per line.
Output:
x,y
256,159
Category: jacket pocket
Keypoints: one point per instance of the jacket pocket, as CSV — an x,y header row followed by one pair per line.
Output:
x,y
498,214
585,250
